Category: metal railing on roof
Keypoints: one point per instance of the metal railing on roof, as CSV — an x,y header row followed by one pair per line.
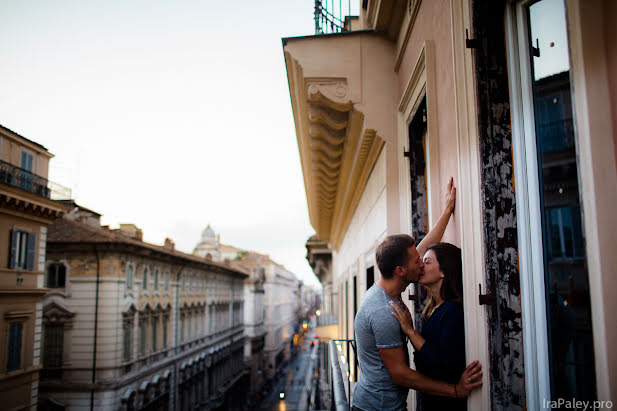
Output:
x,y
330,16
26,180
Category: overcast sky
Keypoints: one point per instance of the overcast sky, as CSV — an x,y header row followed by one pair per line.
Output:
x,y
166,114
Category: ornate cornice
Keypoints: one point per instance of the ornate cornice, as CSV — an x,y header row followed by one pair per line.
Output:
x,y
336,152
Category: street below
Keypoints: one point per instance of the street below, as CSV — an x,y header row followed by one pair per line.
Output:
x,y
293,389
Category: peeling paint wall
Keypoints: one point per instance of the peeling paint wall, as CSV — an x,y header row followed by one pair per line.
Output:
x,y
419,207
499,208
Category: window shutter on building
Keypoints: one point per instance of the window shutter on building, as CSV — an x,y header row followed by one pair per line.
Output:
x,y
13,256
14,349
31,251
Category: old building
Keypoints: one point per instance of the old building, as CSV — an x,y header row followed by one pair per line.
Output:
x,y
517,101
131,325
209,246
26,211
281,308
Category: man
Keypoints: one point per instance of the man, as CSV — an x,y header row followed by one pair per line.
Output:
x,y
385,376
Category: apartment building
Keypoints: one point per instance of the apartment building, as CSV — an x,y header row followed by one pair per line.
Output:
x,y
281,307
135,326
517,101
26,210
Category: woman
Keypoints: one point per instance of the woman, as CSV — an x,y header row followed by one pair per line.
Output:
x,y
440,347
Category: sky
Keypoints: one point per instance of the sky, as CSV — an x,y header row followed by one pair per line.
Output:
x,y
171,115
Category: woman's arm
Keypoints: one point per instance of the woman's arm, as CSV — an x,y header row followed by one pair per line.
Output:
x,y
434,236
404,318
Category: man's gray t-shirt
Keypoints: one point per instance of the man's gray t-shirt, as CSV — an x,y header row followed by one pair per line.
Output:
x,y
377,328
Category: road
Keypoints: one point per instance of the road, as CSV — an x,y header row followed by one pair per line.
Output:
x,y
296,385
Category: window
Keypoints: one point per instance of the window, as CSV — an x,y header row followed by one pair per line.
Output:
x,y
143,334
127,338
554,280
370,277
144,278
156,279
166,280
56,276
155,323
52,349
164,329
13,361
130,272
25,174
22,250
182,319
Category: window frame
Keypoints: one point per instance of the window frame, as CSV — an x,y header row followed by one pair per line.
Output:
x,y
529,213
22,249
14,363
47,275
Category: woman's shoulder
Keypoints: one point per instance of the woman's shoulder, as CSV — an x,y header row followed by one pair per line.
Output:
x,y
451,307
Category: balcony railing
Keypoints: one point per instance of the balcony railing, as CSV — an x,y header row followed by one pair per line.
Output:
x,y
340,385
330,16
28,181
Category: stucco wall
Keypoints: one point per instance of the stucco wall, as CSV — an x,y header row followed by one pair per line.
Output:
x,y
368,225
610,34
433,23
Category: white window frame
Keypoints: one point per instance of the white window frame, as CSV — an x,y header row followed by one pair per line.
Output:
x,y
528,209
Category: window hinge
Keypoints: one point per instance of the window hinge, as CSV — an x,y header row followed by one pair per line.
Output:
x,y
471,43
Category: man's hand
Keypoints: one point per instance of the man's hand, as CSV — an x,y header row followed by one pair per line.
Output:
x,y
470,379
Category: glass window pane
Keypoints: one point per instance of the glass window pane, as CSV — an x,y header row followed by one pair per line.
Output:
x,y
571,354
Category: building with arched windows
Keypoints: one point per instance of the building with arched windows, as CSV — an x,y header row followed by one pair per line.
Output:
x,y
142,326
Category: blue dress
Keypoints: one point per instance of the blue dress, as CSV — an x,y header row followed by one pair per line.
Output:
x,y
442,356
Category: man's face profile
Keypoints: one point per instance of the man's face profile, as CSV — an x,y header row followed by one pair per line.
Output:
x,y
414,266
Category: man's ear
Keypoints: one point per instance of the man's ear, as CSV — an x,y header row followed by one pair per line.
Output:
x,y
399,271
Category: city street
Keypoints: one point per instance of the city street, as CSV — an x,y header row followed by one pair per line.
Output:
x,y
296,385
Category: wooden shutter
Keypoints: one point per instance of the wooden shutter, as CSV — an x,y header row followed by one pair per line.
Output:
x,y
13,256
14,350
31,251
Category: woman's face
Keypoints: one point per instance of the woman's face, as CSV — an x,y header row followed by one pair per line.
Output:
x,y
432,274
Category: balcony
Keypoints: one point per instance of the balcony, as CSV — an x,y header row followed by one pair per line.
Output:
x,y
30,182
332,17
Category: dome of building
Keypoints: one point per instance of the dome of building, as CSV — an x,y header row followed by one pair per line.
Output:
x,y
208,232
209,246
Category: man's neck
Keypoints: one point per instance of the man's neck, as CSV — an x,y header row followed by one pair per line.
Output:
x,y
392,287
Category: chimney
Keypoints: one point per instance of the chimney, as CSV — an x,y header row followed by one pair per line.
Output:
x,y
169,244
130,230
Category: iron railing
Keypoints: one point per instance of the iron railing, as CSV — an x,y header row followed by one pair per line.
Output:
x,y
341,387
26,180
330,16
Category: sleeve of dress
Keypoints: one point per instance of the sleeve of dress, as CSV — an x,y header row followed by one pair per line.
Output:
x,y
442,352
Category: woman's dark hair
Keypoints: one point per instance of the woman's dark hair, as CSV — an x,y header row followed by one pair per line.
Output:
x,y
451,265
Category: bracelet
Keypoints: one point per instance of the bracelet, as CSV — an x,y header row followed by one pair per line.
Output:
x,y
455,393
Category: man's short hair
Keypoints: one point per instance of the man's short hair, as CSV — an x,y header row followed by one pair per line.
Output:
x,y
392,252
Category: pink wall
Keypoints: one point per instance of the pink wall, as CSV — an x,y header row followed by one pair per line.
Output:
x,y
433,23
610,43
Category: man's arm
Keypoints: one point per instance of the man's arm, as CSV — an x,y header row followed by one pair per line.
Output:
x,y
434,236
394,360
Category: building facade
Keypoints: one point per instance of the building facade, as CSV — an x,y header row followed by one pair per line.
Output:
x,y
281,309
26,210
135,326
521,110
